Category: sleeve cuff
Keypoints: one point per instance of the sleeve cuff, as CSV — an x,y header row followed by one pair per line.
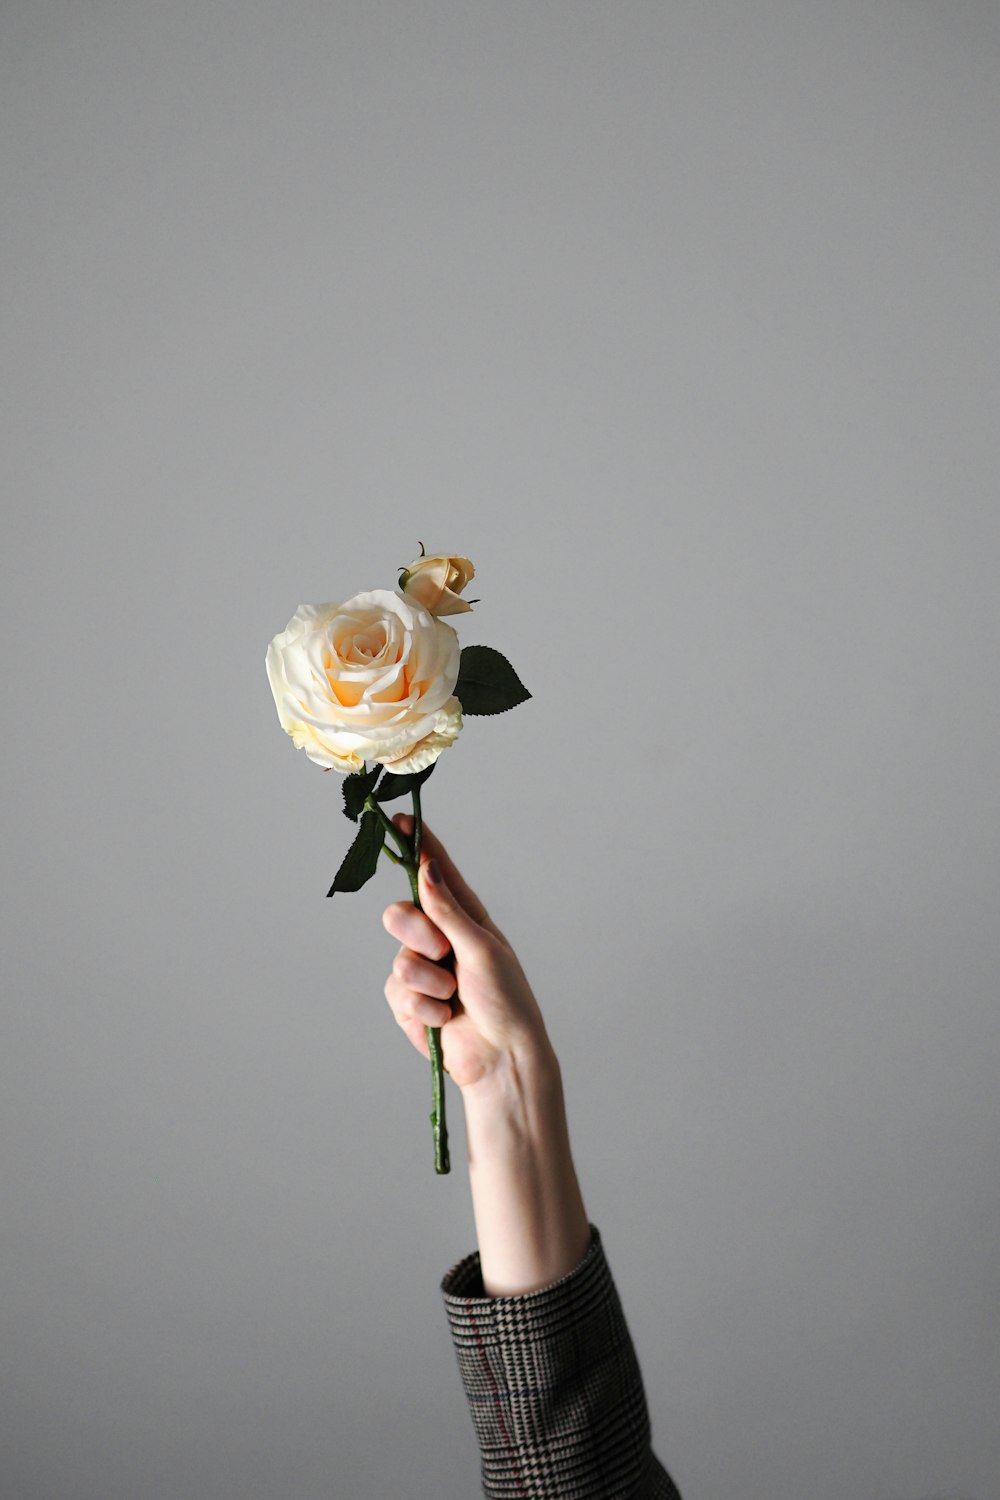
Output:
x,y
552,1381
464,1282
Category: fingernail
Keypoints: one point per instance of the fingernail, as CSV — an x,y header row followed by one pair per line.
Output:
x,y
433,872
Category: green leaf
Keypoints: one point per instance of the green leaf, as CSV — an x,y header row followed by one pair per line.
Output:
x,y
361,859
397,786
356,789
487,683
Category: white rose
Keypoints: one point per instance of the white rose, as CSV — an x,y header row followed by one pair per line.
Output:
x,y
371,679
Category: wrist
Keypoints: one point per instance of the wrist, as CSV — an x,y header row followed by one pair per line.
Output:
x,y
520,1094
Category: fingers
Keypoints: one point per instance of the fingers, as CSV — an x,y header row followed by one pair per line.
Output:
x,y
431,847
414,1030
409,925
423,977
414,1010
418,989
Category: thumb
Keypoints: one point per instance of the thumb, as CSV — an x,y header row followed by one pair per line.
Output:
x,y
438,901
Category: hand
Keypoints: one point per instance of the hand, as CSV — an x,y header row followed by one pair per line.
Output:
x,y
531,1223
487,1012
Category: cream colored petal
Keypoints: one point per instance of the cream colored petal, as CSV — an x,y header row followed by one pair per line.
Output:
x,y
423,754
381,602
276,679
451,604
447,724
426,589
380,705
460,572
436,582
304,738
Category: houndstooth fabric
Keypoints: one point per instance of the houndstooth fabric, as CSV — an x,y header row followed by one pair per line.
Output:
x,y
554,1387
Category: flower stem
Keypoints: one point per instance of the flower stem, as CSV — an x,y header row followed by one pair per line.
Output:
x,y
411,863
402,842
418,824
439,1125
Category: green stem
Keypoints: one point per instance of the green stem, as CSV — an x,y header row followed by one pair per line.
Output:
x,y
418,825
402,842
409,858
411,871
439,1124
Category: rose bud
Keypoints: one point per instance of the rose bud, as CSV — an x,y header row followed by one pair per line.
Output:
x,y
436,582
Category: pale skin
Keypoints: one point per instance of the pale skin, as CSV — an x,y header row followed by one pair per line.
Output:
x,y
531,1224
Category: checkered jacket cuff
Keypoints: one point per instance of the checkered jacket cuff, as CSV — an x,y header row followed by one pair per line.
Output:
x,y
554,1387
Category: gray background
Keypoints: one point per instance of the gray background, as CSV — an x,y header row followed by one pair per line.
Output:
x,y
682,322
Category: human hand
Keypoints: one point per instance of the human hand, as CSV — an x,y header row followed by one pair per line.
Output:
x,y
488,1015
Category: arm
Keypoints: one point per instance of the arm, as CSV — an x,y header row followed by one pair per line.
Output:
x,y
531,1224
543,1348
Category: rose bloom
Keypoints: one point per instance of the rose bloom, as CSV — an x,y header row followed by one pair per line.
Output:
x,y
436,582
371,679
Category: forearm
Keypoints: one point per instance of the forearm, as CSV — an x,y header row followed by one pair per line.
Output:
x,y
531,1224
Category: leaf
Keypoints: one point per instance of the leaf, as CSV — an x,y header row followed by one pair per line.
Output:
x,y
487,683
361,859
392,785
356,789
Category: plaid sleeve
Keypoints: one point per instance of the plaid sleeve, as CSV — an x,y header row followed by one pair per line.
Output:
x,y
554,1387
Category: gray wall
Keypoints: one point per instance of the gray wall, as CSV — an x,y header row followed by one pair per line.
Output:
x,y
682,322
